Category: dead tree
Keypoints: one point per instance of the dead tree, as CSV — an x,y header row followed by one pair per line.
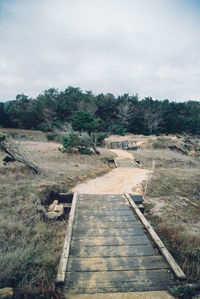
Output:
x,y
125,111
16,152
91,141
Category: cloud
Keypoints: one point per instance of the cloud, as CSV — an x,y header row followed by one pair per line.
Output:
x,y
144,46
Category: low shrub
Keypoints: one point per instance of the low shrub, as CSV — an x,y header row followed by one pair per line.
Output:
x,y
51,136
100,137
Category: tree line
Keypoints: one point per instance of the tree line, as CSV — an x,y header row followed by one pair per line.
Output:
x,y
115,115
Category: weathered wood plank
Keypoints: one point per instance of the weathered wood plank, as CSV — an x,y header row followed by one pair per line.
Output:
x,y
93,199
137,231
111,251
65,253
86,218
136,163
92,282
176,269
94,208
101,196
99,204
116,263
87,213
110,240
104,225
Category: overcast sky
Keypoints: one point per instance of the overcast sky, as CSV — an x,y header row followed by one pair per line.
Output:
x,y
149,47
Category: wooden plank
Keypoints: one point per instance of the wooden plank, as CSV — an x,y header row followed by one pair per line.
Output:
x,y
103,202
101,196
100,205
116,263
126,288
94,208
111,251
110,240
115,281
137,231
86,218
176,269
86,213
137,164
65,253
106,225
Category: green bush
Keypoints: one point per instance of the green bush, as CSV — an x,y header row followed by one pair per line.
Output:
x,y
117,129
183,291
84,150
2,137
44,127
8,159
73,143
100,138
51,136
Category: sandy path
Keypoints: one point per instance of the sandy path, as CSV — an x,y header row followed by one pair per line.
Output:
x,y
117,181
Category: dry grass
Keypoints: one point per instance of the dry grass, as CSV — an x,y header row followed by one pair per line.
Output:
x,y
31,246
173,204
25,134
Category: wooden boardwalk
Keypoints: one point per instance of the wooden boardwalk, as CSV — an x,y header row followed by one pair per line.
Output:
x,y
110,250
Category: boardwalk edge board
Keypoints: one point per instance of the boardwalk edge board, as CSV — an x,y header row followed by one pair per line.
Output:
x,y
135,163
176,269
65,253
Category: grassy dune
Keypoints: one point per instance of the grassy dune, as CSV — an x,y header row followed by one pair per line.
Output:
x,y
30,246
173,202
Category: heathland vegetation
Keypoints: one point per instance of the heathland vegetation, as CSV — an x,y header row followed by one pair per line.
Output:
x,y
172,198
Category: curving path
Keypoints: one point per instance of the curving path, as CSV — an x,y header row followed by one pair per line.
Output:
x,y
117,181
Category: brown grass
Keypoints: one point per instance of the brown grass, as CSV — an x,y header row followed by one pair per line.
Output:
x,y
173,204
31,247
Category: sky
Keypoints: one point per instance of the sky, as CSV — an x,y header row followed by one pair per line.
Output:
x,y
148,47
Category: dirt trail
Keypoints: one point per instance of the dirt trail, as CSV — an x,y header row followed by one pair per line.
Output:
x,y
117,181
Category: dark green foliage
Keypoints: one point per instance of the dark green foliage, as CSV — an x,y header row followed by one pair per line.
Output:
x,y
2,137
117,129
44,127
71,142
84,150
84,121
100,113
100,136
3,116
183,291
51,136
75,143
8,159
